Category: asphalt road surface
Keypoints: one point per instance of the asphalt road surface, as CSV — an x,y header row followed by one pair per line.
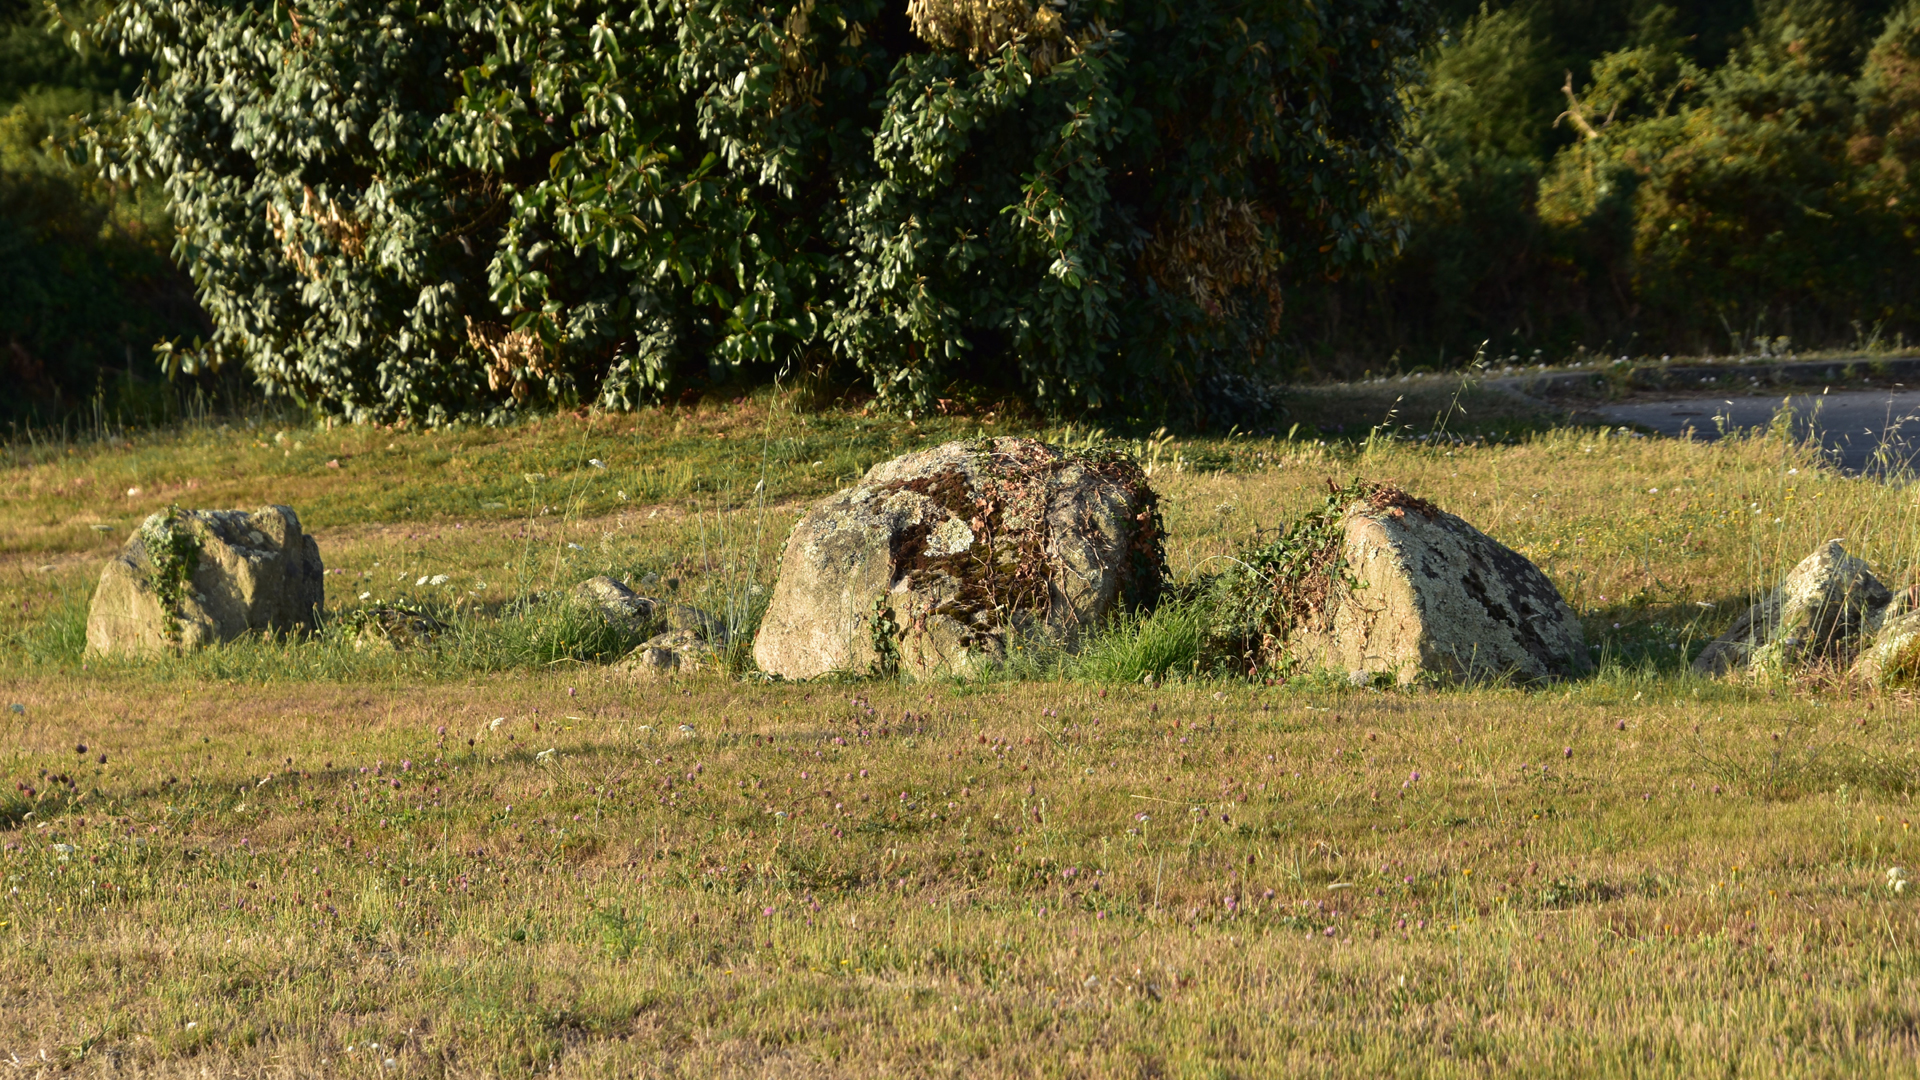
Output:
x,y
1856,425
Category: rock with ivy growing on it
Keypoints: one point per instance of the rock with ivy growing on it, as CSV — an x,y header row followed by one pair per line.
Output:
x,y
190,578
937,561
1380,584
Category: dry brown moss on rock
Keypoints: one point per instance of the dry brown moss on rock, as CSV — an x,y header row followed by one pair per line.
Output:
x,y
937,559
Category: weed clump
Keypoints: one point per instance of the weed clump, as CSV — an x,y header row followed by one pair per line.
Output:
x,y
1291,583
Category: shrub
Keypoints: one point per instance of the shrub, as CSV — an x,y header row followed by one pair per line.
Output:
x,y
397,210
1656,178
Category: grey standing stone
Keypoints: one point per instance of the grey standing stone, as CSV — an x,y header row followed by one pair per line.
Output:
x,y
1822,613
236,572
1435,599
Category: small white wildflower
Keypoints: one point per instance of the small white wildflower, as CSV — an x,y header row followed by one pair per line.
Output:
x,y
497,721
596,463
1897,879
687,732
437,579
364,595
544,755
422,581
575,547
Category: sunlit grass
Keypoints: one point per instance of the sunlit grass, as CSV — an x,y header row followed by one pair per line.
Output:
x,y
991,880
497,856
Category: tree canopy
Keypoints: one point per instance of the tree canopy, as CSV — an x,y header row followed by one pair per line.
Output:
x,y
455,209
1645,178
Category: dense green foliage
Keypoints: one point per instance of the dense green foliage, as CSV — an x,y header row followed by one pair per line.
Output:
x,y
435,211
1641,177
85,285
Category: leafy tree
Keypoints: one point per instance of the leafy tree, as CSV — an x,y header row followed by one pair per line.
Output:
x,y
1651,178
1733,189
433,211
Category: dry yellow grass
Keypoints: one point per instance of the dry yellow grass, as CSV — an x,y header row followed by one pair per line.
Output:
x,y
284,861
847,881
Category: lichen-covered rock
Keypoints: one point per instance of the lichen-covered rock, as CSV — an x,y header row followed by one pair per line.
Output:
x,y
1893,659
192,578
1822,613
617,603
675,652
934,560
1421,595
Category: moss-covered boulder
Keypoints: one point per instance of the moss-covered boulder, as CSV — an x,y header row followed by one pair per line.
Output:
x,y
189,578
935,561
1822,614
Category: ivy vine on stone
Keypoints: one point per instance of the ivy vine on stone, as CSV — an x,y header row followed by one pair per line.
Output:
x,y
173,553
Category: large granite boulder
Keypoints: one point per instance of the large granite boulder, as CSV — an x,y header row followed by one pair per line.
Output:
x,y
1419,595
1824,612
192,578
936,560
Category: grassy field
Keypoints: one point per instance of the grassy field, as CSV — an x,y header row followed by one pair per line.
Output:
x,y
498,857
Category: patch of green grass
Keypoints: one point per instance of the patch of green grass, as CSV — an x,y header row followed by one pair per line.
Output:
x,y
989,880
1139,645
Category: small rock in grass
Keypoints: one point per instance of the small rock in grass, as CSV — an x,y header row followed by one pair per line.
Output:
x,y
617,603
1822,613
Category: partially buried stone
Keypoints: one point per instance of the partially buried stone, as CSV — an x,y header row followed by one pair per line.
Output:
x,y
617,603
188,579
396,629
696,641
1892,658
1822,613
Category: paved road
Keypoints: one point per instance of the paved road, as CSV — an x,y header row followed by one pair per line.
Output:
x,y
1855,424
